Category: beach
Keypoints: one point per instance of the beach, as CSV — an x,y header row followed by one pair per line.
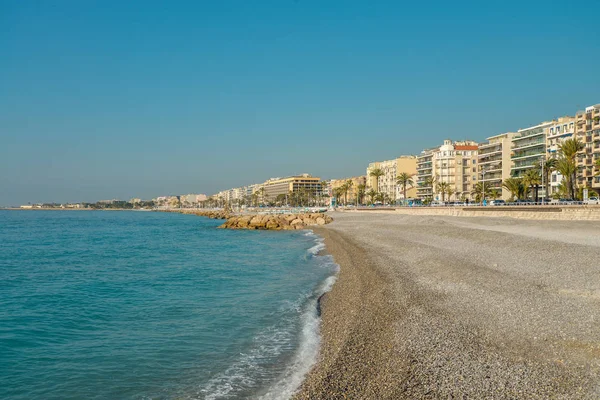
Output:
x,y
449,307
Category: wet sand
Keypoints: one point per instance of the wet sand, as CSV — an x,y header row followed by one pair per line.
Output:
x,y
447,307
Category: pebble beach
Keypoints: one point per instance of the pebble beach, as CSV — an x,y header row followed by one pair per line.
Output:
x,y
447,307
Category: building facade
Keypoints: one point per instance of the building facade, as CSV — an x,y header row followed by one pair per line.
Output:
x,y
561,130
455,163
386,183
293,184
425,174
529,147
352,195
494,163
587,130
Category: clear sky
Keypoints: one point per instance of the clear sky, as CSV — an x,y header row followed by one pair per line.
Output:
x,y
116,99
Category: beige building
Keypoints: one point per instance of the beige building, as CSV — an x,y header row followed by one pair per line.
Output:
x,y
352,194
587,130
391,169
454,163
305,182
494,162
563,129
425,174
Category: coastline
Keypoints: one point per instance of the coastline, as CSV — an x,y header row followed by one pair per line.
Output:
x,y
409,317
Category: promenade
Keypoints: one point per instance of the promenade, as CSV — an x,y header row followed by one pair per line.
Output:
x,y
451,307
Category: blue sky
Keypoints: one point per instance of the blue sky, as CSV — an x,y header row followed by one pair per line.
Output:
x,y
102,99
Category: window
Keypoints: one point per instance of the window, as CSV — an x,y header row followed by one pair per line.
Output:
x,y
551,131
474,177
474,162
474,169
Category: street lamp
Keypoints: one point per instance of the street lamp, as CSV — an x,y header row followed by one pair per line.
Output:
x,y
543,187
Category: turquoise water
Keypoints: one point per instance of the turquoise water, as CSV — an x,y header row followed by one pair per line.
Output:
x,y
143,305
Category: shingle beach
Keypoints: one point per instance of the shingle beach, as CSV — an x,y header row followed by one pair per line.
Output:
x,y
457,308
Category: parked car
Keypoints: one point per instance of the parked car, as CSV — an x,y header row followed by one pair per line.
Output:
x,y
497,202
592,200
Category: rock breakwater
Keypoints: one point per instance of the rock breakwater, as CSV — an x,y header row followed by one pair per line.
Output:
x,y
276,222
209,214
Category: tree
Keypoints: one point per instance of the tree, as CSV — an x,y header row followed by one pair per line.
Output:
x,y
547,166
532,180
442,188
372,194
404,179
450,191
515,186
495,194
361,192
377,173
347,185
568,170
597,165
569,149
480,191
429,182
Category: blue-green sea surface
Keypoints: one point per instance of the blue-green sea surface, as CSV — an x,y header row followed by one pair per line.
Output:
x,y
145,305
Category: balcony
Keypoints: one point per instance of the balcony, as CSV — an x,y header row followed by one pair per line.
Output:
x,y
529,134
533,143
527,154
490,160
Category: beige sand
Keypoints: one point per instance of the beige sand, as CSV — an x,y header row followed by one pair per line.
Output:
x,y
446,307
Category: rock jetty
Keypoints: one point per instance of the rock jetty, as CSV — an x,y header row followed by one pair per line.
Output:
x,y
284,222
209,214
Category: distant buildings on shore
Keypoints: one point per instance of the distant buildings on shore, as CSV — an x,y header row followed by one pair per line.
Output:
x,y
456,170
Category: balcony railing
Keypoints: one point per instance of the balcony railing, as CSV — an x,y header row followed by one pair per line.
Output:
x,y
528,144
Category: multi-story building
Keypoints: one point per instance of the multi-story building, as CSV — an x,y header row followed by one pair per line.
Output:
x,y
529,147
352,194
305,182
456,164
561,130
587,130
386,183
425,174
494,163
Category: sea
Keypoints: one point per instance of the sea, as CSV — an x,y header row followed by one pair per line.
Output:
x,y
150,305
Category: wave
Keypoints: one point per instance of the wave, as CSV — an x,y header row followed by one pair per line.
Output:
x,y
244,377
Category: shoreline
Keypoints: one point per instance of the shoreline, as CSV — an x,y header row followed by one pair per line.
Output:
x,y
408,317
351,313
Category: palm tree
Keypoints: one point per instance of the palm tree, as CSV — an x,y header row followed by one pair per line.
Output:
x,y
569,149
361,193
347,187
495,194
450,191
377,172
547,166
442,187
568,170
372,194
429,182
532,179
404,179
515,187
480,191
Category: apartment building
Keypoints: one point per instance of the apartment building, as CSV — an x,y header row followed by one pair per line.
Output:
x,y
587,130
305,182
529,147
425,174
391,169
352,194
456,164
561,130
494,163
